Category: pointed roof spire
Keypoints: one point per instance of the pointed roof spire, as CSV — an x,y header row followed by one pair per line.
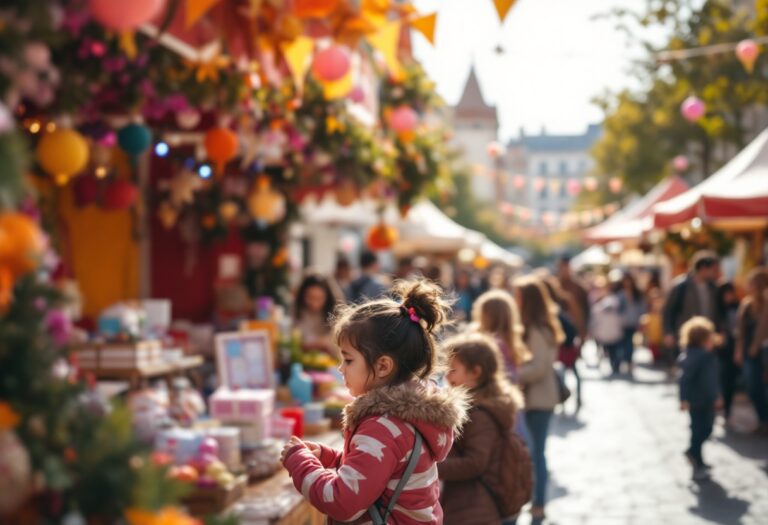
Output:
x,y
472,105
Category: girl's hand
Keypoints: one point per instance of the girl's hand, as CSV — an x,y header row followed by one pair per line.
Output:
x,y
314,448
291,443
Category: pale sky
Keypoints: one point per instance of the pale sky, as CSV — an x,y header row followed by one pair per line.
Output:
x,y
555,60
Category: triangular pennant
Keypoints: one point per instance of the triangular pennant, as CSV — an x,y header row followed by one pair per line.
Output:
x,y
503,7
338,89
297,55
386,41
426,26
197,8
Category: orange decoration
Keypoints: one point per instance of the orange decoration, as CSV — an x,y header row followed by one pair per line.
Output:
x,y
21,243
281,258
314,8
9,419
381,237
221,144
166,516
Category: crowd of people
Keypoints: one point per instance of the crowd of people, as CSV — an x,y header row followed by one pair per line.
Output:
x,y
502,348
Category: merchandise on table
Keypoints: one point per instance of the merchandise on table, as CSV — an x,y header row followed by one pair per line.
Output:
x,y
140,354
242,405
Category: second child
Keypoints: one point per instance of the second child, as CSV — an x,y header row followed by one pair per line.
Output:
x,y
699,386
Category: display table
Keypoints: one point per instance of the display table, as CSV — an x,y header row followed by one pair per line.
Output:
x,y
163,368
278,488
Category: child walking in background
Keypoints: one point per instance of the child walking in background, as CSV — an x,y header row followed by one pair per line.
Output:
x,y
652,324
699,386
388,352
474,492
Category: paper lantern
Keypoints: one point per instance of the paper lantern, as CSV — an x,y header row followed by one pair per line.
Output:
x,y
590,183
680,163
539,183
693,108
494,149
518,182
21,243
134,139
403,119
331,64
120,195
747,52
314,8
574,186
381,237
265,204
86,190
62,153
221,144
615,184
124,16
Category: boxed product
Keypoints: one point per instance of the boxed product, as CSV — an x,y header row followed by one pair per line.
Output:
x,y
180,443
254,433
229,441
120,355
247,405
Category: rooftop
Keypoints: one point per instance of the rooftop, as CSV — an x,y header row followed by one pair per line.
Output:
x,y
545,142
472,105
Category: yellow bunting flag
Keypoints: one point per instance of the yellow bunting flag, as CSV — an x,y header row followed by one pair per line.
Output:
x,y
503,7
338,89
386,41
197,8
128,44
297,55
426,26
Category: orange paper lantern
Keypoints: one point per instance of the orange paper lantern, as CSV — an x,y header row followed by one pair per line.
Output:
x,y
381,237
21,243
221,145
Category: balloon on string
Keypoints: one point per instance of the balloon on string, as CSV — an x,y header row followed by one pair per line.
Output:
x,y
62,153
134,139
124,16
747,52
120,195
680,163
403,119
381,237
574,186
221,144
332,63
693,108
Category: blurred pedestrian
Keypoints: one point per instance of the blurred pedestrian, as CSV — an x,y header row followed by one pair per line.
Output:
x,y
370,283
465,294
343,275
752,341
606,323
632,306
543,335
692,294
699,386
578,292
316,300
652,324
728,302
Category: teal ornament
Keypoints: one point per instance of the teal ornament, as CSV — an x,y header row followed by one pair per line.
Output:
x,y
134,139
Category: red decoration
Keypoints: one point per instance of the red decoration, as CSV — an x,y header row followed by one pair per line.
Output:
x,y
124,16
120,195
221,145
331,64
403,119
381,237
314,8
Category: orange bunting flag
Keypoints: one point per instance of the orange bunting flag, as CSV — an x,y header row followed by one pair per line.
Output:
x,y
503,7
386,41
426,26
197,8
298,56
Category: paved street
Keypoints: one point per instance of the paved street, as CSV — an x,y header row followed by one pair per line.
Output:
x,y
620,460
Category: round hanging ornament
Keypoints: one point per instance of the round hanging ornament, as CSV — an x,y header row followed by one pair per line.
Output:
x,y
62,154
693,109
266,204
21,243
124,16
331,64
120,195
221,144
381,237
747,52
134,139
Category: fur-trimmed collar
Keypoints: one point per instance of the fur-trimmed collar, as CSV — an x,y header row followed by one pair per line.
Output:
x,y
412,402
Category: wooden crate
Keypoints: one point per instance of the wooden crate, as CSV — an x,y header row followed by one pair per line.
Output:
x,y
204,501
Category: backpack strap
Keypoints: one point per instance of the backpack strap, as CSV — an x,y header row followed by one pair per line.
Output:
x,y
374,511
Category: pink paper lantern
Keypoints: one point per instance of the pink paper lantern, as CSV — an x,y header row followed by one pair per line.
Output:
x,y
331,64
403,119
357,95
590,184
680,163
518,182
693,108
747,52
615,184
124,16
574,186
494,149
539,183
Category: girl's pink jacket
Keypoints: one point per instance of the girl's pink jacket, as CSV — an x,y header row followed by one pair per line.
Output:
x,y
378,440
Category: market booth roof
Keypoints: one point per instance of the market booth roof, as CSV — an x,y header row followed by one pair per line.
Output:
x,y
635,218
735,195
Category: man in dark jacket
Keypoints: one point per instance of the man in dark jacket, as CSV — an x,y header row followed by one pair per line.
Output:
x,y
699,386
368,285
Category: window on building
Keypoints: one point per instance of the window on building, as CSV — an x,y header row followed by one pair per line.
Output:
x,y
564,189
582,166
544,192
563,167
542,168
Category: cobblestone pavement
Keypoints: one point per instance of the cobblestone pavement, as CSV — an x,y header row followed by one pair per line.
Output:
x,y
620,460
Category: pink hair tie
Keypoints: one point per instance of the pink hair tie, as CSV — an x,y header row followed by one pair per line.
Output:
x,y
411,313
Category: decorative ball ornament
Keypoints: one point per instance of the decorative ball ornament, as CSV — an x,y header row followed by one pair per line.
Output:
x,y
494,149
134,139
539,183
591,183
357,95
518,182
314,8
120,195
21,243
693,108
381,237
265,204
124,16
747,52
62,153
615,184
403,119
680,163
16,479
221,144
332,63
573,186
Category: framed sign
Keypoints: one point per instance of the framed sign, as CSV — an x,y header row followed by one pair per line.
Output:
x,y
244,359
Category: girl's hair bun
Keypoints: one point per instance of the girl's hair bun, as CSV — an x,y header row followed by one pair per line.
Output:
x,y
427,300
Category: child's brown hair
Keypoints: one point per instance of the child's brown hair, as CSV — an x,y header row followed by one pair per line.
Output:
x,y
496,313
696,332
402,330
476,350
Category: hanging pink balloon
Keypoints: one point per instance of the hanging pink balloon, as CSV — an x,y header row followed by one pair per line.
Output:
x,y
747,52
693,108
680,163
403,119
357,95
124,16
518,182
331,64
574,186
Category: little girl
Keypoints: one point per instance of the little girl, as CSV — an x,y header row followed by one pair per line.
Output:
x,y
388,351
472,470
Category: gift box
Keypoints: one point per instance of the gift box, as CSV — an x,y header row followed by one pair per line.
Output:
x,y
119,355
181,444
229,441
255,433
243,405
